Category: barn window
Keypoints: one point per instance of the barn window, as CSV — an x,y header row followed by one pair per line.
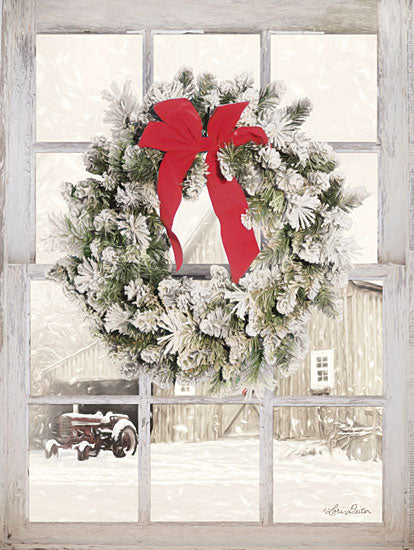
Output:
x,y
278,469
184,389
322,369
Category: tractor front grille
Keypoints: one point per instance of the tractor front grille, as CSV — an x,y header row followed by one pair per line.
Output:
x,y
64,427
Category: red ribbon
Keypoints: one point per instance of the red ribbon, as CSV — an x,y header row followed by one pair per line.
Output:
x,y
180,136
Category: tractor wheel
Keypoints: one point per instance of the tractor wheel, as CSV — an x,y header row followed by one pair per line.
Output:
x,y
124,439
51,448
95,451
83,452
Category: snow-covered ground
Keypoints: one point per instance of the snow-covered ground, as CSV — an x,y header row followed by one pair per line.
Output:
x,y
207,481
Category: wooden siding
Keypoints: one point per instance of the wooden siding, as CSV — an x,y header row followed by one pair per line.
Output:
x,y
358,365
357,343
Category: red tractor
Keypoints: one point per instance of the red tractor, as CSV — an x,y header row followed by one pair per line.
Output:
x,y
91,433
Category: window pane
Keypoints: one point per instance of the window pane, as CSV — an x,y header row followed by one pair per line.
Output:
x,y
52,169
327,464
71,72
65,358
198,229
205,463
362,169
356,341
224,55
68,480
338,74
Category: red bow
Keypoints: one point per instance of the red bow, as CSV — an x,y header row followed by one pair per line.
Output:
x,y
180,136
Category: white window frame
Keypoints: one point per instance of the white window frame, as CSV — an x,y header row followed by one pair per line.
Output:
x,y
395,147
316,355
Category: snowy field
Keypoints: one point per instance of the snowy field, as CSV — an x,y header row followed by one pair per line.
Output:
x,y
208,481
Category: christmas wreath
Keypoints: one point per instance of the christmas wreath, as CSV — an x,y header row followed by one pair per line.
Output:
x,y
262,172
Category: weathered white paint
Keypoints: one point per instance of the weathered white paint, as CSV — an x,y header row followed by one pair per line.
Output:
x,y
18,53
18,244
3,272
395,407
276,401
215,536
364,272
266,459
15,371
409,465
61,146
354,146
147,61
264,58
392,130
144,407
228,15
3,275
410,283
144,451
81,146
348,16
191,546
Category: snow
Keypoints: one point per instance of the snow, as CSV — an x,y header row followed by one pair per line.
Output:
x,y
104,488
76,415
206,481
96,417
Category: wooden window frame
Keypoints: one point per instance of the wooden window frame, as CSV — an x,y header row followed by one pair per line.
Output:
x,y
20,20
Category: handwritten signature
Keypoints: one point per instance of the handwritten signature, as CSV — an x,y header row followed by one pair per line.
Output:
x,y
338,510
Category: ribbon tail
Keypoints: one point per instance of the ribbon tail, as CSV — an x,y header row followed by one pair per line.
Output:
x,y
229,203
173,168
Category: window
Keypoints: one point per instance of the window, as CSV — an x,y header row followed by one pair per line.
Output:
x,y
184,389
322,370
271,460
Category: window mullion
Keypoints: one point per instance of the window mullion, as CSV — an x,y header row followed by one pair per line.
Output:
x,y
81,146
144,450
392,131
61,146
329,400
16,375
144,407
354,146
266,405
84,399
19,75
264,58
266,459
360,272
147,60
395,406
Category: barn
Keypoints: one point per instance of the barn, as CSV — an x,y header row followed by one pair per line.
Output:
x,y
345,358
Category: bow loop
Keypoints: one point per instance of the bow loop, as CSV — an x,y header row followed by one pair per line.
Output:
x,y
181,115
223,121
158,135
241,136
